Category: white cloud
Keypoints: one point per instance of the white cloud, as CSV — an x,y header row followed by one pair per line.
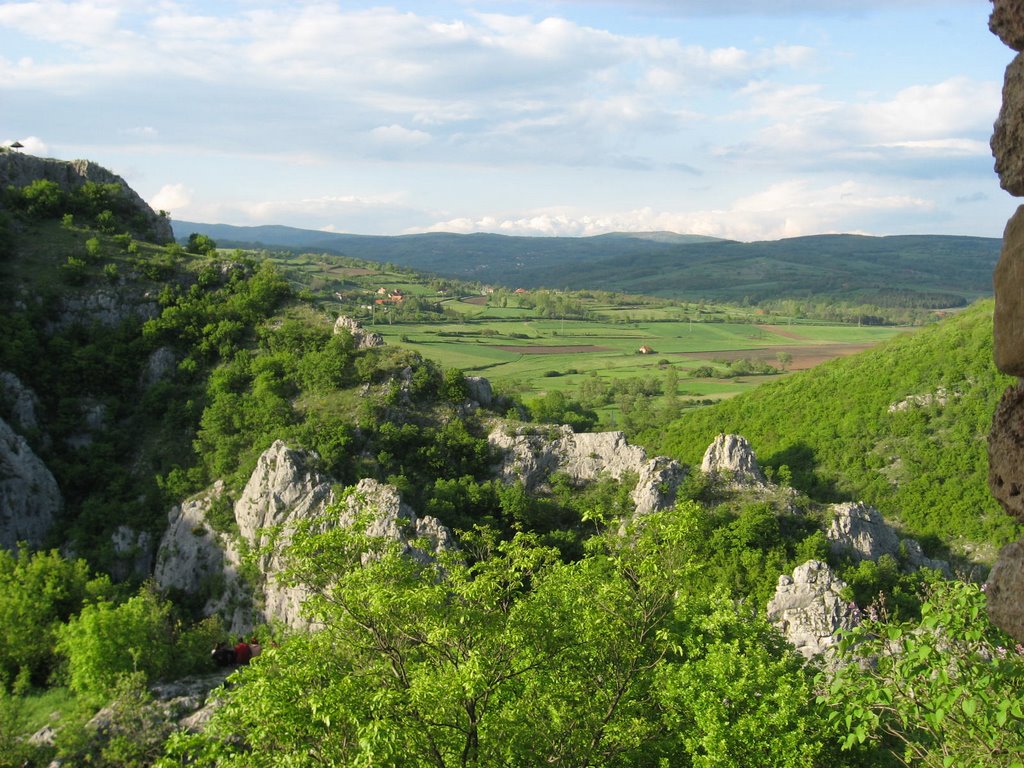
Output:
x,y
788,209
31,145
400,136
172,197
89,23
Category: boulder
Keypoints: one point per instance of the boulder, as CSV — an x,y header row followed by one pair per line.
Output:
x,y
1008,131
808,608
1007,22
531,456
1008,283
29,497
479,390
1005,591
363,338
859,530
731,456
1006,452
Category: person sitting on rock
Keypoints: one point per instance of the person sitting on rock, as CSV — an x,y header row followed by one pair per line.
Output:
x,y
222,655
242,652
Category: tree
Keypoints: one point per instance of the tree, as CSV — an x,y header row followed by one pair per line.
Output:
x,y
202,245
944,690
784,358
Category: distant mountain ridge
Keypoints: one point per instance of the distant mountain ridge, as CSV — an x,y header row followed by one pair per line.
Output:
x,y
904,270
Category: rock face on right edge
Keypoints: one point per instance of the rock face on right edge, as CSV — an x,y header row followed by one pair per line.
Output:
x,y
808,608
1004,589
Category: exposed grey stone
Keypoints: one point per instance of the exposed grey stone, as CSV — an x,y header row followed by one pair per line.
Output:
x,y
18,169
104,306
479,390
1008,131
731,456
1006,452
808,608
29,496
860,530
21,401
392,518
1005,591
159,366
531,456
1007,22
133,550
363,338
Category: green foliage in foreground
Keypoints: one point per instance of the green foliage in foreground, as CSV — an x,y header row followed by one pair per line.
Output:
x,y
503,654
924,465
947,690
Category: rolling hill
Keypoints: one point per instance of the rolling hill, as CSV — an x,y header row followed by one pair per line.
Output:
x,y
902,426
910,270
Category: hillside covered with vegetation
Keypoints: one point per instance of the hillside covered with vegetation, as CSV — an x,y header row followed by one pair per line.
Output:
x,y
561,629
903,426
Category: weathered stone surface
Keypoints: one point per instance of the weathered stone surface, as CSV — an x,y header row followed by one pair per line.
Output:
x,y
860,530
1006,452
1005,591
1007,22
159,366
808,609
363,338
21,402
134,552
1008,282
19,170
480,391
29,496
1008,131
732,456
104,306
283,490
531,456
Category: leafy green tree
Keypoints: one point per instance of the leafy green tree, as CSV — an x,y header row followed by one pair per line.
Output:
x,y
202,245
106,642
943,690
43,198
38,593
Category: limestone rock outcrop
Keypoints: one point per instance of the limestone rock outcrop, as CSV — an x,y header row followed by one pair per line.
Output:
x,y
859,530
1008,282
133,551
1007,22
104,306
731,456
18,169
283,490
531,456
29,497
20,401
480,391
363,338
808,608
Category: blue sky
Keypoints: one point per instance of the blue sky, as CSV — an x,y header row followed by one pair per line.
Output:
x,y
734,118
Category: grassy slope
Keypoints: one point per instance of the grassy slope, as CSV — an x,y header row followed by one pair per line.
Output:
x,y
925,467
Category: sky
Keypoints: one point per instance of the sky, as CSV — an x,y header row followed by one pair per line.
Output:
x,y
743,119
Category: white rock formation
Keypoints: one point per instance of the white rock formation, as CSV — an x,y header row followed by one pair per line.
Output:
x,y
362,337
731,456
480,391
859,530
531,456
808,609
29,496
283,490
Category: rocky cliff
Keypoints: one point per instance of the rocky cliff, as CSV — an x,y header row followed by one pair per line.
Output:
x,y
284,490
531,455
809,609
19,170
29,497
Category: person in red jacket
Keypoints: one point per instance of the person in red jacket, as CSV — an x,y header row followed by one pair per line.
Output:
x,y
242,652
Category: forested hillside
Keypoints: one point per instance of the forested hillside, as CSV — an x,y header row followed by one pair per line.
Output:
x,y
903,426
